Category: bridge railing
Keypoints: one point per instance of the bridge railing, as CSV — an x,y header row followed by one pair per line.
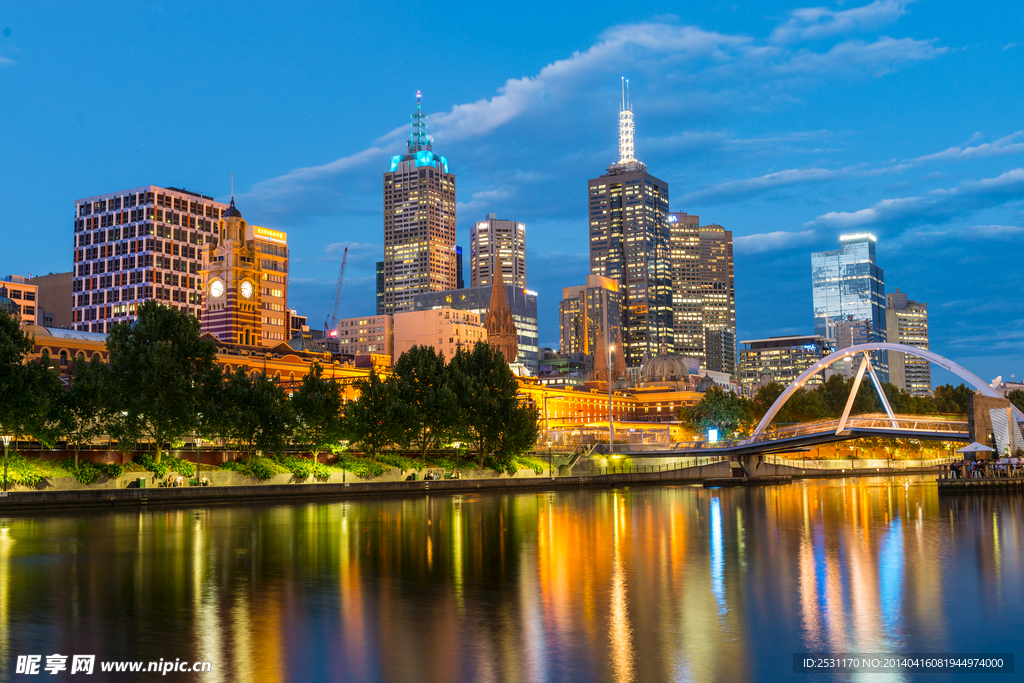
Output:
x,y
699,461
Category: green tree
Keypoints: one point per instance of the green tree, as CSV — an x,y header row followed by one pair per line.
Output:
x,y
421,383
373,420
317,407
83,411
493,419
1016,397
162,375
952,400
28,389
718,409
255,414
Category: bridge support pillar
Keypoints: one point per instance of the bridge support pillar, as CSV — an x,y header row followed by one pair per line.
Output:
x,y
748,463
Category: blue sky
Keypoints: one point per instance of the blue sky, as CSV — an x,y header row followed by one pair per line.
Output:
x,y
787,124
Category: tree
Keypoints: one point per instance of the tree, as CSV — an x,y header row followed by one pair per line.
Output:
x,y
28,389
83,410
317,407
421,382
953,400
162,375
374,419
717,409
1016,397
255,413
493,419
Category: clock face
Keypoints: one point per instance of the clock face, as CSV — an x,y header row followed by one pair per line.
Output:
x,y
247,289
217,289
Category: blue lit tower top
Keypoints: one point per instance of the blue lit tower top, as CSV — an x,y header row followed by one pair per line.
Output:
x,y
420,144
418,138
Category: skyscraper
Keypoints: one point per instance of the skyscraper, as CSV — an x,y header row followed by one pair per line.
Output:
x,y
379,271
684,247
139,244
848,283
419,221
629,243
906,322
493,240
586,311
718,299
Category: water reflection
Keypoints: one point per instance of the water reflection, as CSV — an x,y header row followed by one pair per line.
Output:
x,y
630,584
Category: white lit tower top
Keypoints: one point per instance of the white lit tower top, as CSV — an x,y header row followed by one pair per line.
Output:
x,y
627,131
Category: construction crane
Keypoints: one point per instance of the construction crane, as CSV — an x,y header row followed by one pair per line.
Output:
x,y
329,324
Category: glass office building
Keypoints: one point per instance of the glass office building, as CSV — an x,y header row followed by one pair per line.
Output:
x,y
848,284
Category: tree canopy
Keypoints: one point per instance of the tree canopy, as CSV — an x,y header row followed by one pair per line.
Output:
x,y
162,376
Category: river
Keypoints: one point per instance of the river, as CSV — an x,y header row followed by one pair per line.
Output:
x,y
642,583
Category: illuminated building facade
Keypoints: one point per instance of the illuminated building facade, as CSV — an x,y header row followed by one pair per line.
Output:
x,y
366,335
445,329
718,299
522,304
586,311
684,245
419,222
245,280
906,322
493,241
781,359
847,282
135,245
23,296
629,243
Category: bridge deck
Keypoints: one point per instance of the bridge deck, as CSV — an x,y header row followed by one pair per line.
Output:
x,y
792,438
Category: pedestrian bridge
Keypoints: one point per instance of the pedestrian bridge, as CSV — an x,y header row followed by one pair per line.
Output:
x,y
768,439
795,437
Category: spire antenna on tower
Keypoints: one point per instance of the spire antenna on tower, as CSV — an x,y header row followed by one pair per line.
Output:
x,y
232,186
627,129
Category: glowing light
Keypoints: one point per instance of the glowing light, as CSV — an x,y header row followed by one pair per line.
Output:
x,y
712,435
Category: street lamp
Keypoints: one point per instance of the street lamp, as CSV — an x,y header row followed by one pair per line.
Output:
x,y
611,424
199,450
7,442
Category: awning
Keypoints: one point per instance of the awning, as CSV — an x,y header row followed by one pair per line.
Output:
x,y
976,448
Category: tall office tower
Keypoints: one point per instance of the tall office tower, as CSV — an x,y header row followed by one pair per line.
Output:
x,y
419,221
460,282
380,287
906,322
245,277
718,299
629,243
492,240
135,245
684,247
586,311
848,283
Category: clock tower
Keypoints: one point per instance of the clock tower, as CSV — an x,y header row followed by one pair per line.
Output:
x,y
232,277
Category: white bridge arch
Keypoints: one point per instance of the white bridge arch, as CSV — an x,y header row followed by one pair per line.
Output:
x,y
850,351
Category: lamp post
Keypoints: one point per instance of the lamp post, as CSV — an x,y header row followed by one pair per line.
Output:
x,y
611,424
7,442
199,450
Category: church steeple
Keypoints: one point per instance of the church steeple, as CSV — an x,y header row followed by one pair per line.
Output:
x,y
501,328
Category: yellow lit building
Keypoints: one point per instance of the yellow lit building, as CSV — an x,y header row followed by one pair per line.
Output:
x,y
245,283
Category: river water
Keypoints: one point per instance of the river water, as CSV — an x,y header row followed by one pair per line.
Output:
x,y
644,583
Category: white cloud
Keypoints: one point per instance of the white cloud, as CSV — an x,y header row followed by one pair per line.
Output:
x,y
1004,145
772,241
938,206
812,23
736,189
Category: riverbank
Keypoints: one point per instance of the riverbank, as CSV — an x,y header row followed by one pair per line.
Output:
x,y
50,499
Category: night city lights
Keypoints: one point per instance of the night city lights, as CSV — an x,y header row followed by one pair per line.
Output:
x,y
357,343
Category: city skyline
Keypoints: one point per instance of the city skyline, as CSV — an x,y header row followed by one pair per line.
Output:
x,y
938,196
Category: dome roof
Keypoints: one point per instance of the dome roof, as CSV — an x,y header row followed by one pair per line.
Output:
x,y
705,383
8,305
664,368
622,384
232,212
